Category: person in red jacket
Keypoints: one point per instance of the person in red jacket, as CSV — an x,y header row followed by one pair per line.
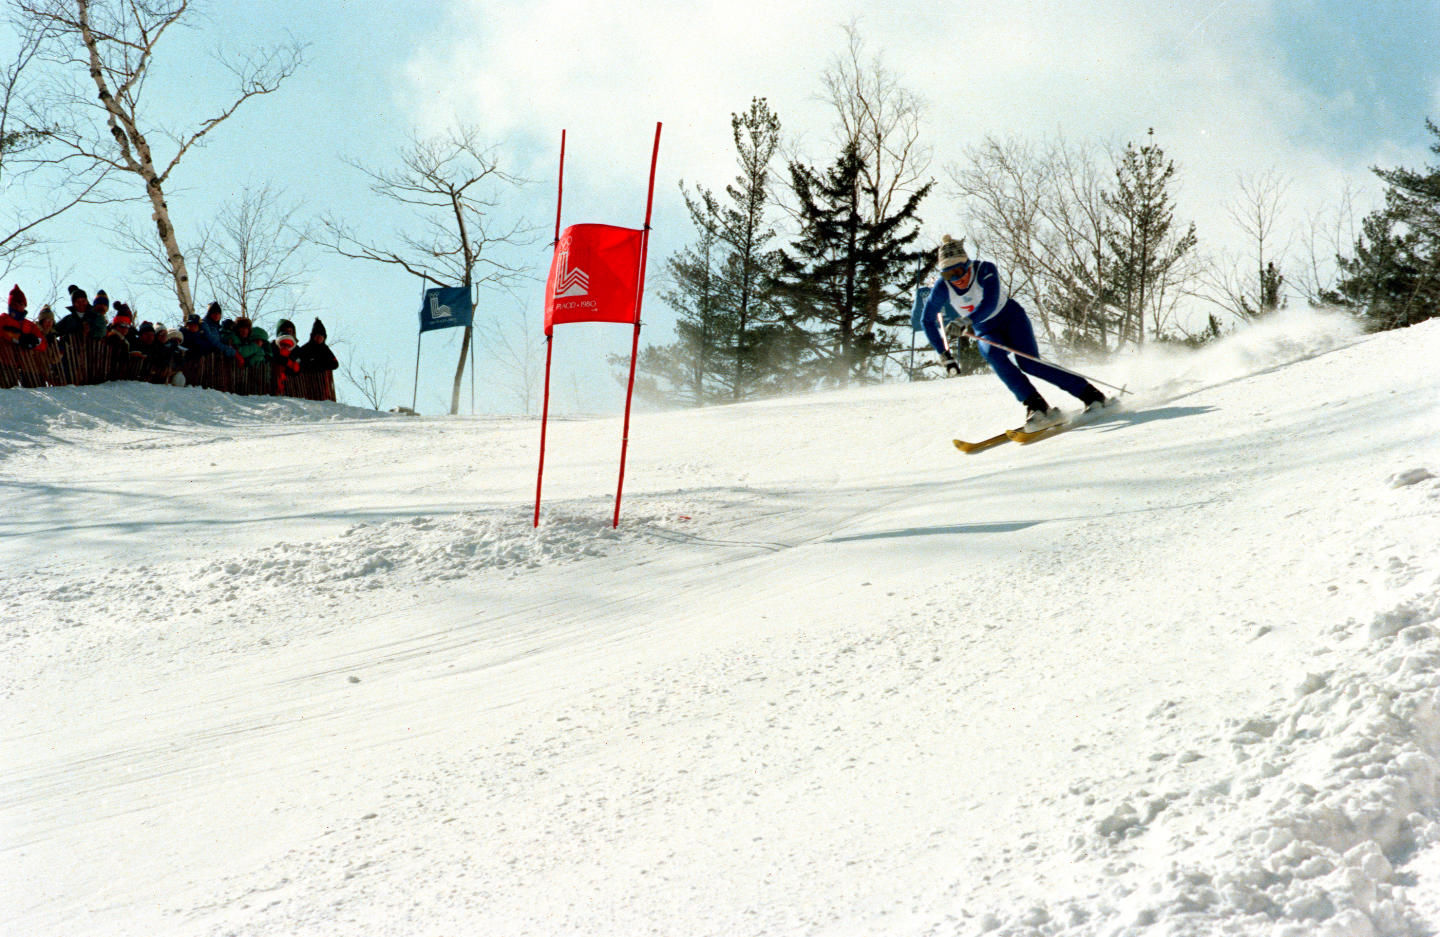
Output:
x,y
284,361
15,328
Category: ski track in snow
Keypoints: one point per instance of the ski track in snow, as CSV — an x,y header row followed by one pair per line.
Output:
x,y
825,703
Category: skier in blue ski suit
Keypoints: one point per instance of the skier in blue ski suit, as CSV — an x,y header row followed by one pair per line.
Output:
x,y
970,293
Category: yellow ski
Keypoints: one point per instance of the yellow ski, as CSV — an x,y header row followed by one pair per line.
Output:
x,y
973,447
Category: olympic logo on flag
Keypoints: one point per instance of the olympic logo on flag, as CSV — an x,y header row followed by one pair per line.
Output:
x,y
570,282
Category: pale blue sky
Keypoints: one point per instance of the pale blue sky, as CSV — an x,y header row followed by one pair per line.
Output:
x,y
1317,90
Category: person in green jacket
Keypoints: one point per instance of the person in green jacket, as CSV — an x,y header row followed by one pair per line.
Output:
x,y
249,341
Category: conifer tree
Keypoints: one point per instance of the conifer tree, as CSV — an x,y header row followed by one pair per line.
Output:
x,y
688,371
846,269
1144,249
729,335
1394,277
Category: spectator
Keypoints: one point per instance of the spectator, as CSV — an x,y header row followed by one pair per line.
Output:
x,y
45,322
16,301
122,310
172,357
15,328
285,361
145,345
314,355
76,323
210,339
117,337
197,343
250,342
283,328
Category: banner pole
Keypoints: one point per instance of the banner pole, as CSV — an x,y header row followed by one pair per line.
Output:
x,y
549,338
560,187
635,342
415,394
544,420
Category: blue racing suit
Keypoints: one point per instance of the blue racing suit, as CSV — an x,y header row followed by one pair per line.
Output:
x,y
991,314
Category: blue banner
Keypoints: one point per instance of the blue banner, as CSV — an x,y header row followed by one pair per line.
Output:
x,y
921,296
446,307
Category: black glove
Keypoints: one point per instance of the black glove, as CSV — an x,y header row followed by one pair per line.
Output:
x,y
29,342
952,367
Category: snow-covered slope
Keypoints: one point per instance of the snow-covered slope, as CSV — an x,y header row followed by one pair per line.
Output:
x,y
278,668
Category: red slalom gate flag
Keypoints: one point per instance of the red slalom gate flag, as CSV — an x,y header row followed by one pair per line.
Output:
x,y
594,276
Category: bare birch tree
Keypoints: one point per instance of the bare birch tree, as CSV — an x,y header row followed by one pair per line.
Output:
x,y
1001,187
1248,284
253,258
113,43
1327,234
373,382
519,352
882,117
1071,250
1039,211
250,257
452,182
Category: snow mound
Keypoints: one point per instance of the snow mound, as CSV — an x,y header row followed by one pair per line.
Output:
x,y
1324,798
30,417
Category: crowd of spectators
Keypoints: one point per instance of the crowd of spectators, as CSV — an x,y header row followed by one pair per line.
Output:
x,y
52,351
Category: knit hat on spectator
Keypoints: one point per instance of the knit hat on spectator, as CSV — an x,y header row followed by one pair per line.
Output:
x,y
213,310
78,302
285,327
46,314
147,327
100,300
951,254
17,302
318,329
192,319
122,320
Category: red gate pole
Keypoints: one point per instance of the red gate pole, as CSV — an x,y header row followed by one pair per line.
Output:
x,y
544,417
635,343
549,338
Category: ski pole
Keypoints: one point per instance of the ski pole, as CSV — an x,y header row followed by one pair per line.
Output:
x,y
1058,367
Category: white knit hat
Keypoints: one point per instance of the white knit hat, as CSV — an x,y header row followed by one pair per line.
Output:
x,y
951,254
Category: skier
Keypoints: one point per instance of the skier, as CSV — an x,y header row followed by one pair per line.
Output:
x,y
970,298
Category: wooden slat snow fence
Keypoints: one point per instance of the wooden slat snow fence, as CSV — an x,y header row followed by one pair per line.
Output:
x,y
90,361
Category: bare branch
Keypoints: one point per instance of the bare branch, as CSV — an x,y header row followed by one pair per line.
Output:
x,y
453,181
120,39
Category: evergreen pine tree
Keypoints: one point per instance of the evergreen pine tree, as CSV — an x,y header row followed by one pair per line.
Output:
x,y
1394,277
1142,246
847,279
1271,280
727,331
686,371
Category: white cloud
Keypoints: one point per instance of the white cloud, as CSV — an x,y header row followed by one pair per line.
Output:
x,y
1209,80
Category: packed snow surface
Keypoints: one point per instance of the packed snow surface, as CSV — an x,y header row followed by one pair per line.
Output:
x,y
283,668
